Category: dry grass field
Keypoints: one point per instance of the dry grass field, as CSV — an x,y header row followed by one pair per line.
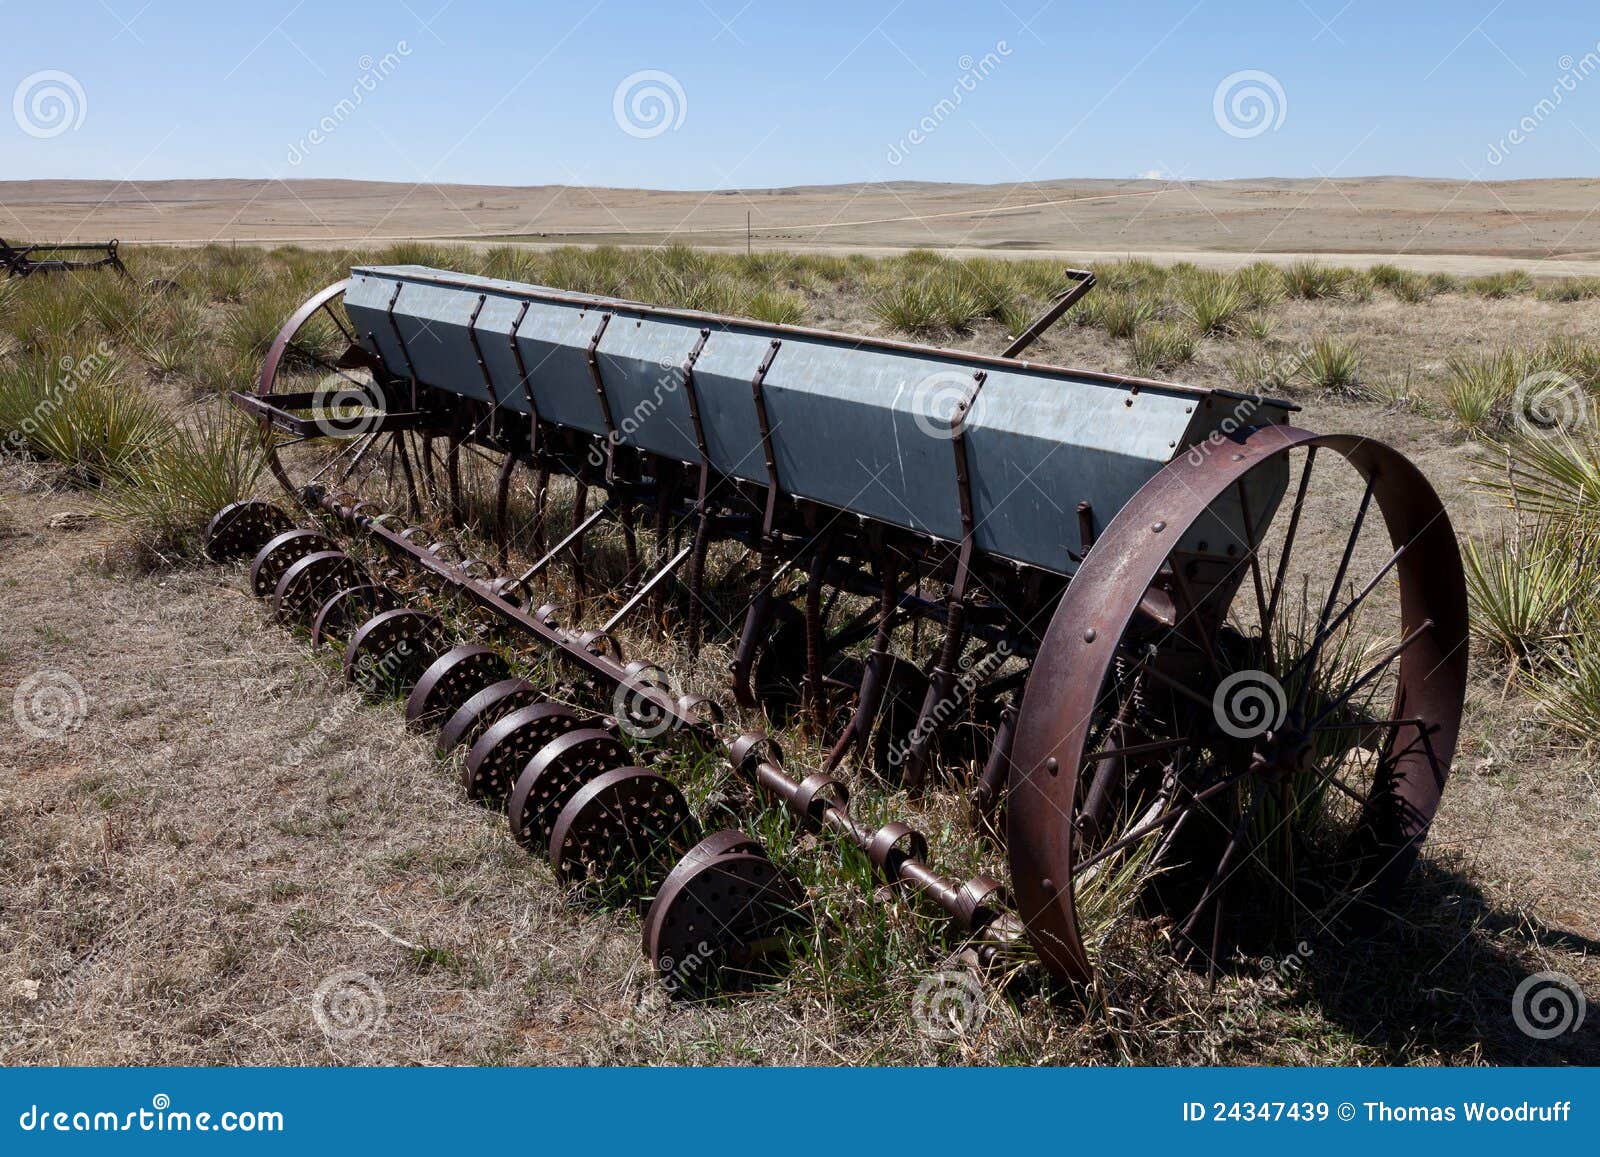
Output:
x,y
1449,226
228,825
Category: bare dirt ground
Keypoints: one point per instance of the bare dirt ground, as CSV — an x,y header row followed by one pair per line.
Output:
x,y
1449,226
230,829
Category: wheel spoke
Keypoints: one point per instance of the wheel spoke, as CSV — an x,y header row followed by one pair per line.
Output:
x,y
327,308
1377,668
1224,866
1255,574
1288,541
1151,826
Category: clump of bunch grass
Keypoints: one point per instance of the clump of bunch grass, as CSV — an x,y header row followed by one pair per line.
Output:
x,y
1212,303
1330,365
166,498
78,409
1160,347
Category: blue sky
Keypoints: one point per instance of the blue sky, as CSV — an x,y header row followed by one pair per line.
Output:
x,y
764,94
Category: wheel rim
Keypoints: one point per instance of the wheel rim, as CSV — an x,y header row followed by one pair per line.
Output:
x,y
1161,768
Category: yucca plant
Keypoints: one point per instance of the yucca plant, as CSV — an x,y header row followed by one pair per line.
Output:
x,y
1529,589
1330,365
1160,347
1479,389
776,307
1313,280
1121,314
1212,303
1570,691
927,305
1412,288
1495,286
79,411
1260,283
1553,476
166,497
1259,370
1568,289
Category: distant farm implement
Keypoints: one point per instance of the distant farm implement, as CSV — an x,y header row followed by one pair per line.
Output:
x,y
27,259
1095,605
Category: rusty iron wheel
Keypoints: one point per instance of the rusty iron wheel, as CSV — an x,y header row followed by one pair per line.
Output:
x,y
486,708
390,651
1270,721
343,610
310,582
240,529
455,677
504,749
553,776
721,919
619,835
279,554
